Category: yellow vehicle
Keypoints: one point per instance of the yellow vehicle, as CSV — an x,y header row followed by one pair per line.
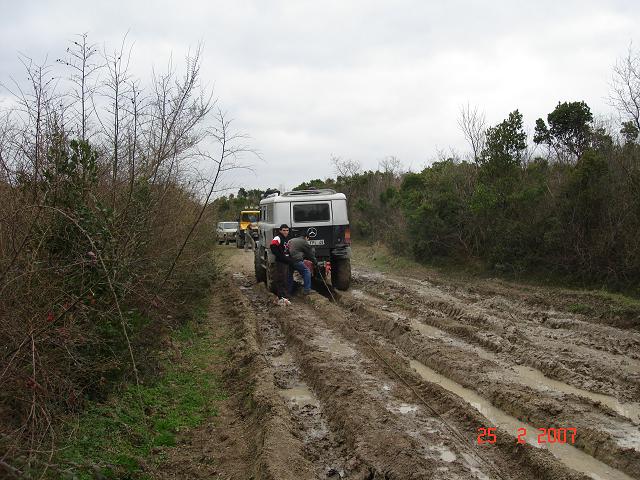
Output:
x,y
247,227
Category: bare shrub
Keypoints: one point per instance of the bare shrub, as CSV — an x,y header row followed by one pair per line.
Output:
x,y
473,124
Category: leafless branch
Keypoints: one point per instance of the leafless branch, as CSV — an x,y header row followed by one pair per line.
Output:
x,y
472,122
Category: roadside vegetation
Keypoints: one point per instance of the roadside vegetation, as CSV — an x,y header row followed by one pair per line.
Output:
x,y
562,205
127,434
105,255
228,207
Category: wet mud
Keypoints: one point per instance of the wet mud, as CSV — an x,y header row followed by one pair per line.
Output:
x,y
471,348
394,380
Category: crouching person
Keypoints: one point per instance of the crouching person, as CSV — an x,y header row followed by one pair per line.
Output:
x,y
300,250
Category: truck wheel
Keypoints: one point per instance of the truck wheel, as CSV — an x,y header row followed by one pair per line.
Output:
x,y
341,273
239,240
261,274
270,277
226,240
220,242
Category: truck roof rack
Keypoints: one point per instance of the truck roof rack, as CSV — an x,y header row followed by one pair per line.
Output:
x,y
318,191
271,192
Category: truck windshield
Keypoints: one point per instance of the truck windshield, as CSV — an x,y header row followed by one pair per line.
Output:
x,y
250,217
311,212
228,225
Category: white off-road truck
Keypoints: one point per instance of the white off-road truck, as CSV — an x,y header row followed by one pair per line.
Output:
x,y
322,215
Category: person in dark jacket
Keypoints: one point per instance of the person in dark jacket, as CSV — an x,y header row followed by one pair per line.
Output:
x,y
299,251
280,250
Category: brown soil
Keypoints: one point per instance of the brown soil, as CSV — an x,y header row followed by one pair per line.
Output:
x,y
326,390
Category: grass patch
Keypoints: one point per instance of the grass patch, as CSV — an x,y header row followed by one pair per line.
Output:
x,y
610,304
115,438
620,303
579,308
378,257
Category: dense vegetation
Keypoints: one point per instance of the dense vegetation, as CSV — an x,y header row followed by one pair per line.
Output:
x,y
105,238
564,206
573,213
228,207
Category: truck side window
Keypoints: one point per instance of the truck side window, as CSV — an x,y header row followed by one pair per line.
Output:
x,y
270,213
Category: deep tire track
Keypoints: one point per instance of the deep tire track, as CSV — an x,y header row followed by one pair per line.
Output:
x,y
533,406
592,357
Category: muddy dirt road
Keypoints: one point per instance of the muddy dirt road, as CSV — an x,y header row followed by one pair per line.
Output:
x,y
395,379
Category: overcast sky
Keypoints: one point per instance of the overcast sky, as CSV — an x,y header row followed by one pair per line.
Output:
x,y
358,79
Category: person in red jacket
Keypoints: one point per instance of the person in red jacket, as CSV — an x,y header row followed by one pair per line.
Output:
x,y
280,250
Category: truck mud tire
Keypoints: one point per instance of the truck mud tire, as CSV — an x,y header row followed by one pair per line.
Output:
x,y
270,277
261,273
226,240
341,273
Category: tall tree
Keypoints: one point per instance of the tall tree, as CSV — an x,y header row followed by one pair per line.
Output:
x,y
505,145
629,131
569,131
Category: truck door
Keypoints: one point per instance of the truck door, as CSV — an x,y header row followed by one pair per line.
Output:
x,y
315,219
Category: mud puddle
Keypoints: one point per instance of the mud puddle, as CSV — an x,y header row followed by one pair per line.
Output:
x,y
362,295
536,379
526,375
604,435
437,334
300,395
403,408
475,468
569,455
327,341
428,330
320,445
590,356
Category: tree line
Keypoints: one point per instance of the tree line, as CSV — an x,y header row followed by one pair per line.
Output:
x,y
565,203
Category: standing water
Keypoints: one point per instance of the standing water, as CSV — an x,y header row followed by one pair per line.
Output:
x,y
571,456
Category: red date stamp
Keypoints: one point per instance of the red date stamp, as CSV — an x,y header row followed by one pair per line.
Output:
x,y
487,435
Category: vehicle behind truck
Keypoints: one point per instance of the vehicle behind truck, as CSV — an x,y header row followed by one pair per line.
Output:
x,y
226,232
322,216
247,227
